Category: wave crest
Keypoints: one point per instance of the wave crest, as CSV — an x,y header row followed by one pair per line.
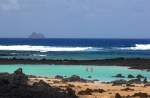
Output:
x,y
42,48
137,47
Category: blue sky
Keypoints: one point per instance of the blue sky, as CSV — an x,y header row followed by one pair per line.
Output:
x,y
75,18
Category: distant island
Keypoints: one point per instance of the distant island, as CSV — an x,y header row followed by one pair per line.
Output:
x,y
35,35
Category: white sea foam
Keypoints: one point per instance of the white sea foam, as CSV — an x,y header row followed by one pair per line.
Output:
x,y
137,47
41,55
43,48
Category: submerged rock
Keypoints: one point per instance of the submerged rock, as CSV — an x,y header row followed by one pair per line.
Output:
x,y
131,76
89,76
119,76
140,76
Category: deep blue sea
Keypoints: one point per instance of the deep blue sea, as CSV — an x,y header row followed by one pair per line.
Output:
x,y
58,48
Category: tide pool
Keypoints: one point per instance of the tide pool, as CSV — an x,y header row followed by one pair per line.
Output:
x,y
102,73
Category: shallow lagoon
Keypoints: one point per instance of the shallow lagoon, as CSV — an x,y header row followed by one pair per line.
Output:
x,y
102,73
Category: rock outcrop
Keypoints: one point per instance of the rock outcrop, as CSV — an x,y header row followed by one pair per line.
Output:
x,y
118,82
90,91
16,86
35,35
74,78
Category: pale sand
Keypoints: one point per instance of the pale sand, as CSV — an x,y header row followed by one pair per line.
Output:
x,y
110,90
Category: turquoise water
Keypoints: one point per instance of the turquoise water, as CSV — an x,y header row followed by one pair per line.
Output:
x,y
102,73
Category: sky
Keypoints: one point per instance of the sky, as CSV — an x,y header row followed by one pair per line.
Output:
x,y
75,18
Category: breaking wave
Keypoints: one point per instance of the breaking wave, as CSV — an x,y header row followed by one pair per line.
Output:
x,y
69,49
137,47
44,48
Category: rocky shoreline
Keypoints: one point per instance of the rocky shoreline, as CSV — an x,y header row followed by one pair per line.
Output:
x,y
20,85
133,63
17,85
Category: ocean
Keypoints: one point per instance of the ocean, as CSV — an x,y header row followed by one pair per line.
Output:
x,y
78,49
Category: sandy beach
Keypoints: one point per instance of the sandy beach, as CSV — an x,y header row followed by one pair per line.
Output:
x,y
100,90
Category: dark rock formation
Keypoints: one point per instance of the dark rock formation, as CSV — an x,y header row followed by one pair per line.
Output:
x,y
137,81
16,86
140,76
131,76
119,76
59,77
19,78
90,91
71,93
74,78
118,95
145,80
99,90
118,82
130,85
89,76
85,92
141,95
127,89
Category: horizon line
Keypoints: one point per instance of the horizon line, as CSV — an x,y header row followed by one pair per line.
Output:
x,y
67,38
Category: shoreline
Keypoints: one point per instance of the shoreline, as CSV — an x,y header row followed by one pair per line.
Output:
x,y
73,87
132,63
